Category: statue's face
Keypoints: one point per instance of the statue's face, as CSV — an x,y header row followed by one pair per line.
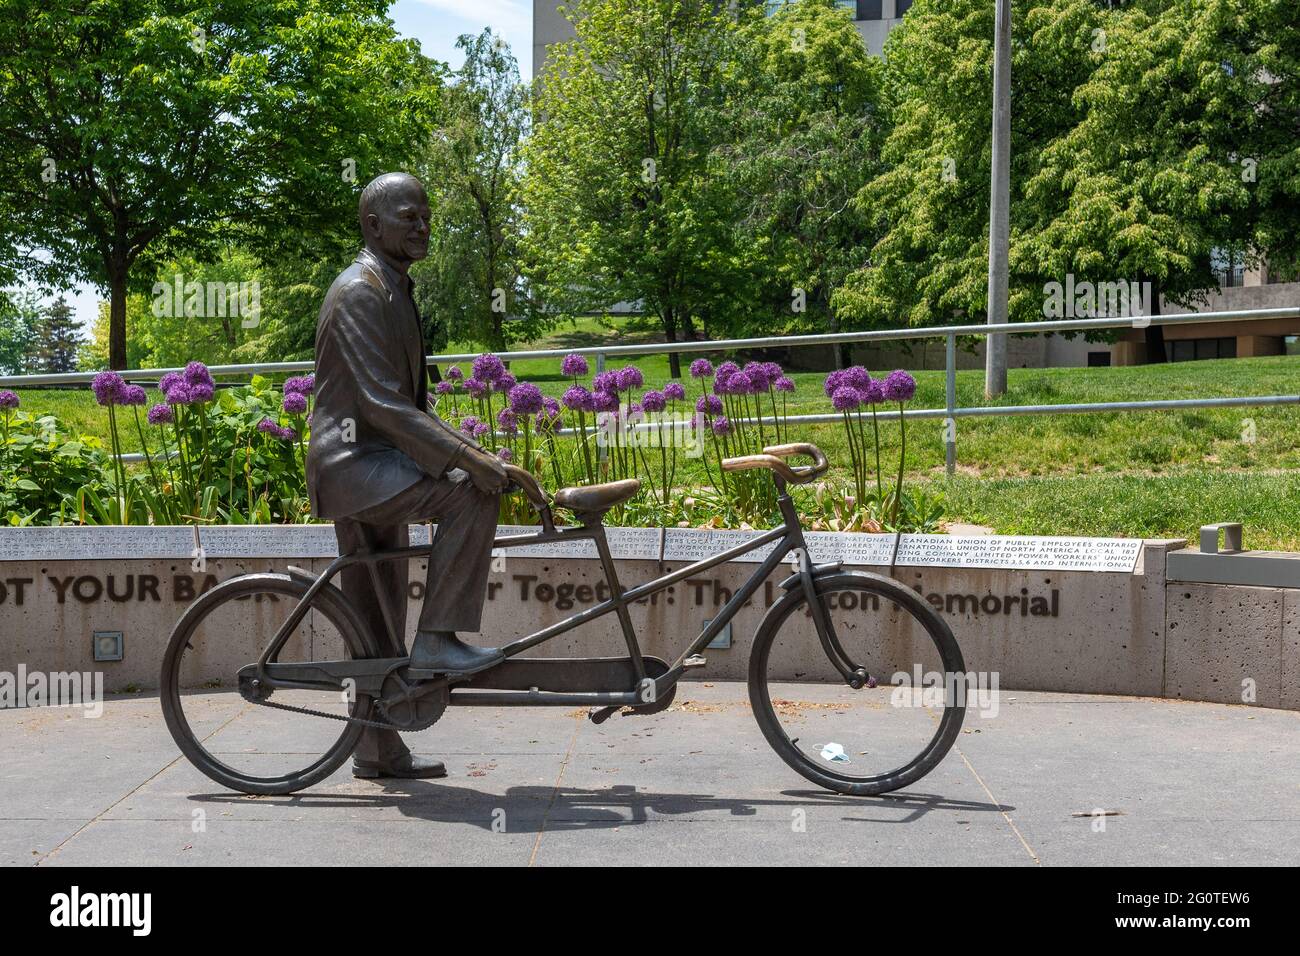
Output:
x,y
399,225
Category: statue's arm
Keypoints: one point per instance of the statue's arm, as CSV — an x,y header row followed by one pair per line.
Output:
x,y
358,341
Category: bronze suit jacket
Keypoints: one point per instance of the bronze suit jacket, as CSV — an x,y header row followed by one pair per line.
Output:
x,y
371,433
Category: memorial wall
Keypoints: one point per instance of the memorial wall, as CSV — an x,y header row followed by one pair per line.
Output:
x,y
1075,615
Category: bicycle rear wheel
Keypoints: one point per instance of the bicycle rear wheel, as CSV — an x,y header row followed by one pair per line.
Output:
x,y
869,740
241,744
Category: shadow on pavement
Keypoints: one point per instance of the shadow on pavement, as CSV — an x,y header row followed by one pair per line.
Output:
x,y
530,809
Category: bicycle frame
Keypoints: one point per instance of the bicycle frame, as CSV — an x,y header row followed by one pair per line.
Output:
x,y
788,537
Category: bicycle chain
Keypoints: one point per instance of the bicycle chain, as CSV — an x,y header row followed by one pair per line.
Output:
x,y
328,716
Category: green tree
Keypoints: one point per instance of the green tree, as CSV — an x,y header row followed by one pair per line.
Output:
x,y
624,200
808,134
1147,184
472,282
931,202
1270,156
57,339
20,318
132,131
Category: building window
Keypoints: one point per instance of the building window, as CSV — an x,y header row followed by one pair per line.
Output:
x,y
1098,360
1191,350
869,10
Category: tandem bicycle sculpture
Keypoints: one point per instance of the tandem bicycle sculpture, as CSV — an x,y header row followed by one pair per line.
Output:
x,y
811,682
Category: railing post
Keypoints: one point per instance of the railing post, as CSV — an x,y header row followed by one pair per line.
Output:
x,y
950,394
601,451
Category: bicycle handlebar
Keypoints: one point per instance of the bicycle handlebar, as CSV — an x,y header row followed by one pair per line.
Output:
x,y
773,457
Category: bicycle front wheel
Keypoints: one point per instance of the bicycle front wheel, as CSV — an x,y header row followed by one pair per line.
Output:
x,y
247,745
869,740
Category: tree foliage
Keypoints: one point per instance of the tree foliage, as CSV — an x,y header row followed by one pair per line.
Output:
x,y
132,131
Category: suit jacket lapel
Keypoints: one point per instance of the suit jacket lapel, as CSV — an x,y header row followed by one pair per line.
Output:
x,y
404,322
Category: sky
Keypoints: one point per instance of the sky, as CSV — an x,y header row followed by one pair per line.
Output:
x,y
436,24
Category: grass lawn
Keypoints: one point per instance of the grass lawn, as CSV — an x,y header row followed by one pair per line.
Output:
x,y
1153,474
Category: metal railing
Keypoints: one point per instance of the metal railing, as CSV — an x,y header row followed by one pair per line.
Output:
x,y
950,333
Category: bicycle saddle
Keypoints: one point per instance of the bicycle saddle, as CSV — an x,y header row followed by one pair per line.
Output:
x,y
597,499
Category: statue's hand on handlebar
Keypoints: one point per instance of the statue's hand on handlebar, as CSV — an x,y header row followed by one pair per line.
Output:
x,y
485,470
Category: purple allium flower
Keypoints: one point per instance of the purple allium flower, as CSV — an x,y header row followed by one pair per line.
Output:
x,y
629,376
201,392
8,399
721,426
303,385
170,380
774,370
899,386
739,383
196,373
443,387
701,368
295,403
874,393
481,429
604,402
759,379
505,454
161,414
784,383
709,405
507,421
286,434
833,381
573,365
132,395
605,382
525,399
634,410
107,387
454,373
178,394
267,427
857,377
488,368
674,392
477,388
550,405
654,401
846,398
504,383
724,372
577,398
469,423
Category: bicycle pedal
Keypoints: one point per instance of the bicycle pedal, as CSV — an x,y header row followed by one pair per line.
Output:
x,y
695,660
602,714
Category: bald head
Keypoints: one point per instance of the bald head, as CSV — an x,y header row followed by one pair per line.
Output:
x,y
394,216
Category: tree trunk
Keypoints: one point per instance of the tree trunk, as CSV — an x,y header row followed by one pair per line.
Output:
x,y
1154,334
670,335
117,272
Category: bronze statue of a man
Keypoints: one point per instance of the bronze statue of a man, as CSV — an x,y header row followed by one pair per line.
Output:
x,y
379,460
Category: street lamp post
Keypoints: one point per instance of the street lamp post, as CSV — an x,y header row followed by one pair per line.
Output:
x,y
995,366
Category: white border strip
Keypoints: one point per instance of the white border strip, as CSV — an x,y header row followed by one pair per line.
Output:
x,y
1009,552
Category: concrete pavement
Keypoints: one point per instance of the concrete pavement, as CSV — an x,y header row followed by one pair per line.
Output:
x,y
1191,783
